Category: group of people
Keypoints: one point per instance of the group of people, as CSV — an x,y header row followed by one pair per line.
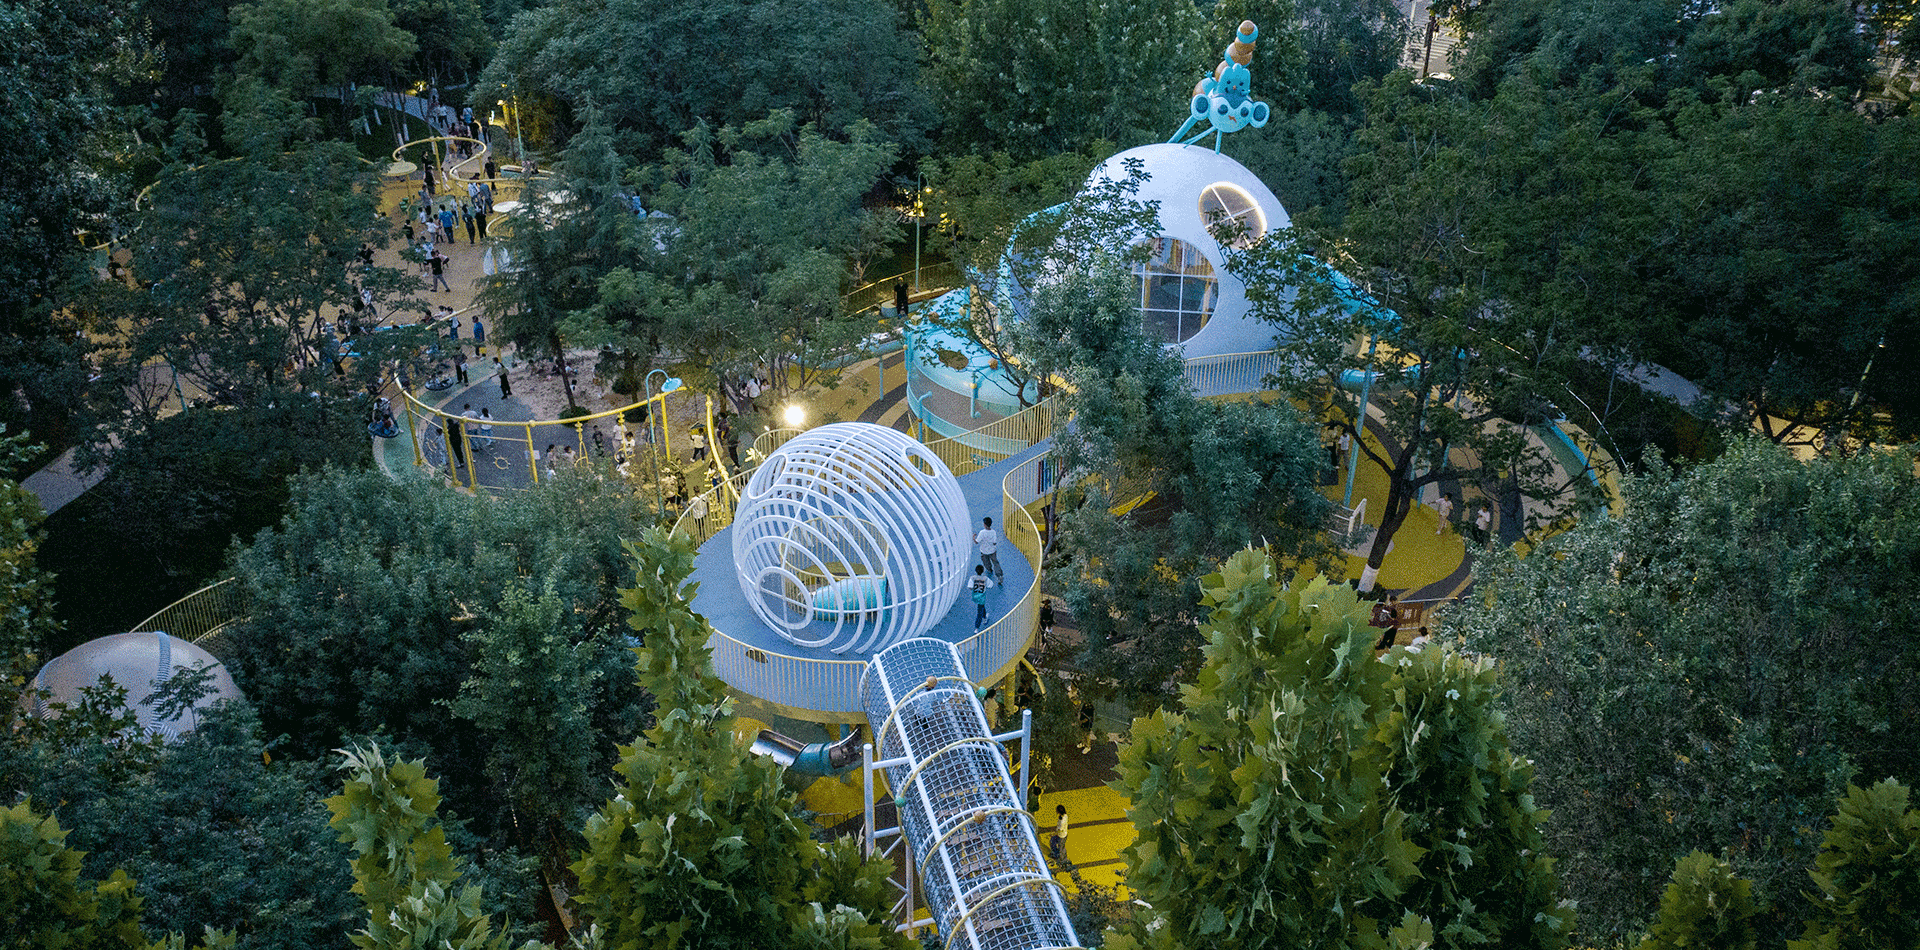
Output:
x,y
441,222
986,574
1479,527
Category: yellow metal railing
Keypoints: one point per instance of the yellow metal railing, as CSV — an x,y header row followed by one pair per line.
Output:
x,y
200,616
462,172
996,441
445,437
942,275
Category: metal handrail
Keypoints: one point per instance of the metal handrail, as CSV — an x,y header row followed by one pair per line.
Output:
x,y
199,616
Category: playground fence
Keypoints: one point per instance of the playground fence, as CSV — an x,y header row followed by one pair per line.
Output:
x,y
200,616
941,275
1232,373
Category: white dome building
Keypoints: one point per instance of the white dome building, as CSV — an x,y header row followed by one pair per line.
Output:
x,y
1187,295
140,663
851,536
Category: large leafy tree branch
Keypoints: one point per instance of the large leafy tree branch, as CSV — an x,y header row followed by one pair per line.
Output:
x,y
1427,301
1302,793
746,276
702,845
1710,668
1158,485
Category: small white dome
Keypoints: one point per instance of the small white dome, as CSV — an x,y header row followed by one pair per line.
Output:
x,y
138,663
852,537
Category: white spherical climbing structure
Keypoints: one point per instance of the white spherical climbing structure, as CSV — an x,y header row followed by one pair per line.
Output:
x,y
851,537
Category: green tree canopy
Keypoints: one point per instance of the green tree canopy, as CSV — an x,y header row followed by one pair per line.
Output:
x,y
451,36
702,845
1705,907
657,70
747,275
43,901
1033,77
369,604
1447,224
1305,794
64,171
1664,221
296,44
1196,480
1867,878
221,839
1709,669
402,866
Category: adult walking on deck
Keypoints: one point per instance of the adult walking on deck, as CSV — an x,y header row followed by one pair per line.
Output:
x,y
989,542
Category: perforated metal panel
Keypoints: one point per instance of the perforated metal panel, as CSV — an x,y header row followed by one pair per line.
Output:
x,y
981,871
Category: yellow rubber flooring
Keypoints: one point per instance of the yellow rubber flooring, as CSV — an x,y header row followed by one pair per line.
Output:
x,y
1098,829
1419,556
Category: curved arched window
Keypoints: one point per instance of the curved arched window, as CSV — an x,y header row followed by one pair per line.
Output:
x,y
1227,208
1177,288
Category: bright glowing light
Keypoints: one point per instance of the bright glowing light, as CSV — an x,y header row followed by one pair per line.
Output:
x,y
794,416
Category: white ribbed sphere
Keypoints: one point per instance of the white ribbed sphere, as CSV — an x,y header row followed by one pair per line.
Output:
x,y
851,537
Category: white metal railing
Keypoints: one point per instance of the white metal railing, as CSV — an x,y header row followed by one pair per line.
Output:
x,y
1232,373
1346,524
832,686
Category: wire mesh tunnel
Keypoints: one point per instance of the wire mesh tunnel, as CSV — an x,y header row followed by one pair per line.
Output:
x,y
981,871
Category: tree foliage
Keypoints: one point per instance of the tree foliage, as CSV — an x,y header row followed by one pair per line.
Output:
x,y
221,839
249,261
1033,77
1709,669
64,168
23,587
1794,312
658,70
1196,480
1304,794
1867,879
371,601
296,45
1436,243
452,38
702,846
43,901
402,866
1705,907
1768,281
748,273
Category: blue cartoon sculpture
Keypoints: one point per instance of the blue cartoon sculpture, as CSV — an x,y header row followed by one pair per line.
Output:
x,y
1224,99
